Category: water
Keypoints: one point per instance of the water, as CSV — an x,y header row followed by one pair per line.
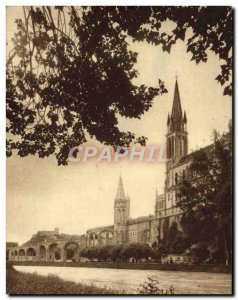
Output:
x,y
130,280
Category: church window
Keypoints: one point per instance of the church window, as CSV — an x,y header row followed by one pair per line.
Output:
x,y
172,148
123,215
168,149
178,197
185,145
119,216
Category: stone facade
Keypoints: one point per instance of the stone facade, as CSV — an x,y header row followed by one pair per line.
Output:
x,y
49,245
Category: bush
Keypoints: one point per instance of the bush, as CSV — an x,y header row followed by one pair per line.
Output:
x,y
151,287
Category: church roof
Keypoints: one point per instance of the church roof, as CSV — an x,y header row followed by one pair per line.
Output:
x,y
176,109
187,158
100,228
120,191
140,219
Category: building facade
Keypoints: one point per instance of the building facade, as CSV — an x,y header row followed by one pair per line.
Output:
x,y
151,229
148,229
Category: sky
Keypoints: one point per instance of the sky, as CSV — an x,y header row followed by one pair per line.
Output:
x,y
41,195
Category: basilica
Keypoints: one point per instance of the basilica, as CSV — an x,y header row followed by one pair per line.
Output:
x,y
51,245
150,229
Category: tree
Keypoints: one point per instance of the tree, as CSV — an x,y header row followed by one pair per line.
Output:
x,y
128,251
114,252
62,89
136,250
200,250
205,196
103,252
83,252
90,253
70,72
174,241
147,251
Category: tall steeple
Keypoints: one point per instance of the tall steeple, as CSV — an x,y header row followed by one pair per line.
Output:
x,y
177,142
120,191
121,213
176,109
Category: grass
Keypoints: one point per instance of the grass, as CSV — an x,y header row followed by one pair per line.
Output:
x,y
19,283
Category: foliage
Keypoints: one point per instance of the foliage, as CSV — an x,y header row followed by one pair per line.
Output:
x,y
151,287
174,241
71,82
90,253
122,252
205,196
71,72
136,250
32,284
114,252
200,250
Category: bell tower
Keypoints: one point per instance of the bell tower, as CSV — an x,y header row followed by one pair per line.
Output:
x,y
177,136
177,147
121,214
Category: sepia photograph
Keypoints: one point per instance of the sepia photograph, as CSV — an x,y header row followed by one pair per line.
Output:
x,y
119,150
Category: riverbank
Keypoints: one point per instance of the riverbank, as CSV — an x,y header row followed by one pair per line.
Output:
x,y
139,266
19,283
131,281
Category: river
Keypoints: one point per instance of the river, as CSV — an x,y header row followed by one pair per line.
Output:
x,y
130,280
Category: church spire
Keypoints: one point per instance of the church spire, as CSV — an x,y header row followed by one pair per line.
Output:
x,y
177,140
120,191
177,109
121,214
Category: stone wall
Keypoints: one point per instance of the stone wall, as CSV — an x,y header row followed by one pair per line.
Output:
x,y
58,250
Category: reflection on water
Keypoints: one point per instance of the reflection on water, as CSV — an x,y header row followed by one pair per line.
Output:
x,y
130,280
